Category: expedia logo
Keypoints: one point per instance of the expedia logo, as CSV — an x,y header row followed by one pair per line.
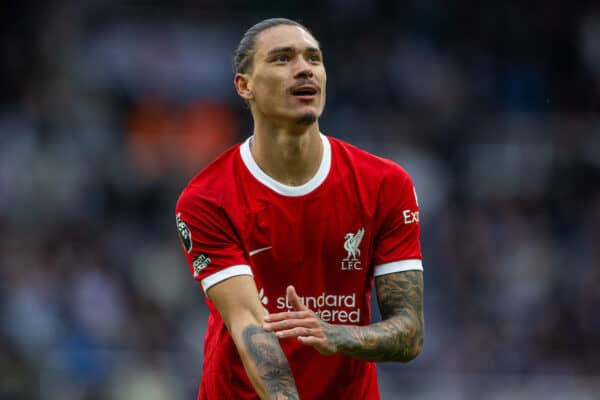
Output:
x,y
185,236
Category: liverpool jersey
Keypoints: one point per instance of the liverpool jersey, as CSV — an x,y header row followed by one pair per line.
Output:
x,y
357,218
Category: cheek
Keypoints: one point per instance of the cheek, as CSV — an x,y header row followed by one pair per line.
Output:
x,y
268,83
324,88
269,91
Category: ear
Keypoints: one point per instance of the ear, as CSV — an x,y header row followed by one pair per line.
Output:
x,y
243,86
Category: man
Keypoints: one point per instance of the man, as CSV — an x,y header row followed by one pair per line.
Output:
x,y
286,234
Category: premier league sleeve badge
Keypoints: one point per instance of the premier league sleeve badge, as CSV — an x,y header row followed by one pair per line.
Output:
x,y
185,236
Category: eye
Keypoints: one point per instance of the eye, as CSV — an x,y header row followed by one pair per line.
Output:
x,y
314,58
281,58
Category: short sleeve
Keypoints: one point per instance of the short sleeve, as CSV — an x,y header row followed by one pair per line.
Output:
x,y
208,239
397,244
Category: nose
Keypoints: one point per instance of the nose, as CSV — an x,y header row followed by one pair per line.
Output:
x,y
304,69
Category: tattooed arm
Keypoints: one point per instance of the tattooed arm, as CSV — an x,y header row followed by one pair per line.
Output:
x,y
398,337
265,363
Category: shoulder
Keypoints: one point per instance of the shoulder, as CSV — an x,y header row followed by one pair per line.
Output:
x,y
368,165
213,182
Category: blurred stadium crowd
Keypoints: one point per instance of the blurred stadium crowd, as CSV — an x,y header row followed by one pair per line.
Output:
x,y
107,108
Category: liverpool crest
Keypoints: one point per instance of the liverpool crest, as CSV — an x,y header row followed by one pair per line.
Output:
x,y
351,261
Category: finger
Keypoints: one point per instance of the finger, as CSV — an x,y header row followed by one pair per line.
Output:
x,y
290,324
294,299
283,325
319,344
287,315
295,332
310,340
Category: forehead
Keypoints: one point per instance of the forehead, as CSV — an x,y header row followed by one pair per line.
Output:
x,y
284,36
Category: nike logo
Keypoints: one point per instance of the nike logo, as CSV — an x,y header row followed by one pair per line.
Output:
x,y
254,252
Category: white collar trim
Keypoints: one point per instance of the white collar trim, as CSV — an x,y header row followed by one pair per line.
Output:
x,y
282,188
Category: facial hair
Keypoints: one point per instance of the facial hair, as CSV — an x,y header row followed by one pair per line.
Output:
x,y
308,118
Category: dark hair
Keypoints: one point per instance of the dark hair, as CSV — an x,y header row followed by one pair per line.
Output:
x,y
242,57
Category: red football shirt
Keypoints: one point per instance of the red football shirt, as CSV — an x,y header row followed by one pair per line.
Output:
x,y
355,219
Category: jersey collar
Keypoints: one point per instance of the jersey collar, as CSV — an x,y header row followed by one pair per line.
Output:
x,y
281,188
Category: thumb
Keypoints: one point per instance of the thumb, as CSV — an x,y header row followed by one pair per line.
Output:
x,y
294,299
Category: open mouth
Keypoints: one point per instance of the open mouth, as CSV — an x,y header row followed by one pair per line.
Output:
x,y
305,92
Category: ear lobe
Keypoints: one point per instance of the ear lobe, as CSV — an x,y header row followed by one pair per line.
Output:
x,y
242,86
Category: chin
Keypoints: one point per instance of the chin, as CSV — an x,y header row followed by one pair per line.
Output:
x,y
307,118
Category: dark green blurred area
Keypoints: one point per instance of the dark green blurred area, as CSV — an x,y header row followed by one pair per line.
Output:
x,y
108,108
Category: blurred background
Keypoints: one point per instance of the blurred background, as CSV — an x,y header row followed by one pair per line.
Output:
x,y
108,108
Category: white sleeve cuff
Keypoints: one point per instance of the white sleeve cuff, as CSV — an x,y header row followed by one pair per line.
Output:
x,y
224,274
398,266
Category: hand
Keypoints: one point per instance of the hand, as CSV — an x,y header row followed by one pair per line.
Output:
x,y
303,324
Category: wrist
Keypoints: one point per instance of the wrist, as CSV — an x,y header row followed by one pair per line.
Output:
x,y
340,338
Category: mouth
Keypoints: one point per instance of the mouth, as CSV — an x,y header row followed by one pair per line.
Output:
x,y
305,92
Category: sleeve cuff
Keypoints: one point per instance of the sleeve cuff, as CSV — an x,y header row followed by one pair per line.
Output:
x,y
399,266
224,274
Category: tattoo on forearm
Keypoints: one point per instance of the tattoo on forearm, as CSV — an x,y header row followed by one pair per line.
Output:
x,y
275,372
399,336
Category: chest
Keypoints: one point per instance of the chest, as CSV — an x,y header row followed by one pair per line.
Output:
x,y
321,236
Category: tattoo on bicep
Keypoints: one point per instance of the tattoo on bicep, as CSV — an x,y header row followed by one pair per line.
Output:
x,y
264,349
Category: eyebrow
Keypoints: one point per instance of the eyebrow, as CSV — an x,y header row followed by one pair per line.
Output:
x,y
290,49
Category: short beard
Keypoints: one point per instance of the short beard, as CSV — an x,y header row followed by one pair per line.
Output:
x,y
307,119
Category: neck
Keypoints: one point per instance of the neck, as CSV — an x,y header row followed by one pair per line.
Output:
x,y
290,156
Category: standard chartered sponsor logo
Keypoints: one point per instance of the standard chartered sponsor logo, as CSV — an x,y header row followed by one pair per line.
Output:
x,y
329,307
